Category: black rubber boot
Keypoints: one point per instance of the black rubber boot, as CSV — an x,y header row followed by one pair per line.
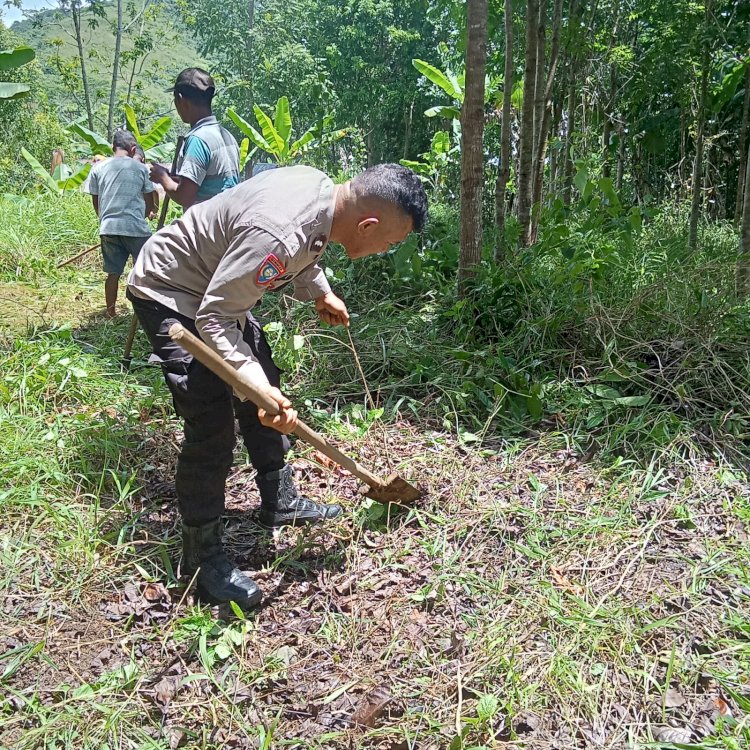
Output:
x,y
282,505
218,581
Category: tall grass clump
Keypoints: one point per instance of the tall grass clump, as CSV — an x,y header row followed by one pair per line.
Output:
x,y
609,331
69,432
37,233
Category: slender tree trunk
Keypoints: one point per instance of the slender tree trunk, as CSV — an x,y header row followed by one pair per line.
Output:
x,y
554,159
743,150
537,188
115,71
607,134
249,50
697,184
526,144
539,91
75,11
743,259
408,118
620,156
472,132
503,174
568,172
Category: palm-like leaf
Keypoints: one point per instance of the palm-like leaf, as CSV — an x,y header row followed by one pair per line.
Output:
x,y
246,128
272,136
13,90
15,58
446,81
75,180
283,122
156,133
49,183
132,122
97,142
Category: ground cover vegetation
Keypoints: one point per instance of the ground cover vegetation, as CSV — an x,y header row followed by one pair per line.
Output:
x,y
561,360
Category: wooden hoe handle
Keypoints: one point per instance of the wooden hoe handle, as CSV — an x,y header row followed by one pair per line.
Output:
x,y
228,374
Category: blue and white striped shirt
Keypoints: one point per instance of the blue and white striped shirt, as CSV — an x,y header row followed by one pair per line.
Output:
x,y
210,158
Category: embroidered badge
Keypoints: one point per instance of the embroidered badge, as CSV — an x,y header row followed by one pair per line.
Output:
x,y
319,243
269,269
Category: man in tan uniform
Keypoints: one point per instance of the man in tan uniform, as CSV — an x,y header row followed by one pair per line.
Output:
x,y
206,271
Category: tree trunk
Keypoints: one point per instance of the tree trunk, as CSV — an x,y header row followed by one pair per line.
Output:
x,y
249,51
75,11
741,182
697,184
743,259
503,174
409,119
115,71
554,159
539,91
620,156
526,141
568,172
607,134
472,132
540,154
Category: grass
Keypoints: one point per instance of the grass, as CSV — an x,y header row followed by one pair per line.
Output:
x,y
562,585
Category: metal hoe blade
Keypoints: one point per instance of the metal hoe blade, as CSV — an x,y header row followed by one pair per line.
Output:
x,y
395,489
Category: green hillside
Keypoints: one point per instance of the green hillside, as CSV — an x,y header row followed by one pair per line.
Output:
x,y
142,81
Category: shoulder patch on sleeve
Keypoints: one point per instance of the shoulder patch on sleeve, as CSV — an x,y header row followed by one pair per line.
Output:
x,y
269,269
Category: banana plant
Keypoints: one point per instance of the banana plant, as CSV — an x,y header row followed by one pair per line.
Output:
x,y
10,59
149,140
63,179
275,138
431,170
454,86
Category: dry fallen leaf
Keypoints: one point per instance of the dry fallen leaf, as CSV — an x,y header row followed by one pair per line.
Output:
x,y
673,698
565,583
371,706
165,690
722,707
154,592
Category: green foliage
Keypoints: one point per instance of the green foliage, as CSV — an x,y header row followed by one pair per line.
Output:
x,y
62,180
435,163
276,134
10,60
324,64
154,49
39,232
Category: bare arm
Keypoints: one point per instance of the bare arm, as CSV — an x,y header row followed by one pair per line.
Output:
x,y
150,201
95,201
179,189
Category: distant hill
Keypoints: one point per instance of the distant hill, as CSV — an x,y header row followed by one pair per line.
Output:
x,y
50,33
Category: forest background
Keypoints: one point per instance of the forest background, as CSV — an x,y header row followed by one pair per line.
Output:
x,y
562,359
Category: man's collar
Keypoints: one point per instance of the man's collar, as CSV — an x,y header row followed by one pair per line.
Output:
x,y
210,120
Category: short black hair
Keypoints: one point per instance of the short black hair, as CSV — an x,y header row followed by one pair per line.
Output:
x,y
123,139
202,98
394,184
140,152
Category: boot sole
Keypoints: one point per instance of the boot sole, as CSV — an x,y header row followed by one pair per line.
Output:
x,y
295,522
246,604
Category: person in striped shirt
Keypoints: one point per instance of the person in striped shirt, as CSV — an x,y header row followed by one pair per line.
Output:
x,y
210,158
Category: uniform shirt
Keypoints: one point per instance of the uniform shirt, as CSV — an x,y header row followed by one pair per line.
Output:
x,y
219,259
210,158
120,183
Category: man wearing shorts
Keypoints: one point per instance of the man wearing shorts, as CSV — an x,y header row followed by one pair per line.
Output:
x,y
122,194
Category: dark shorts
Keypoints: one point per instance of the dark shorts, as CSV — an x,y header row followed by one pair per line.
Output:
x,y
116,249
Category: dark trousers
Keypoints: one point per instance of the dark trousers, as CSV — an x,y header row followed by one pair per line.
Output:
x,y
208,408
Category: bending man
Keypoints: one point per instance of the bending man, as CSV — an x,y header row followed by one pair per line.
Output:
x,y
206,271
